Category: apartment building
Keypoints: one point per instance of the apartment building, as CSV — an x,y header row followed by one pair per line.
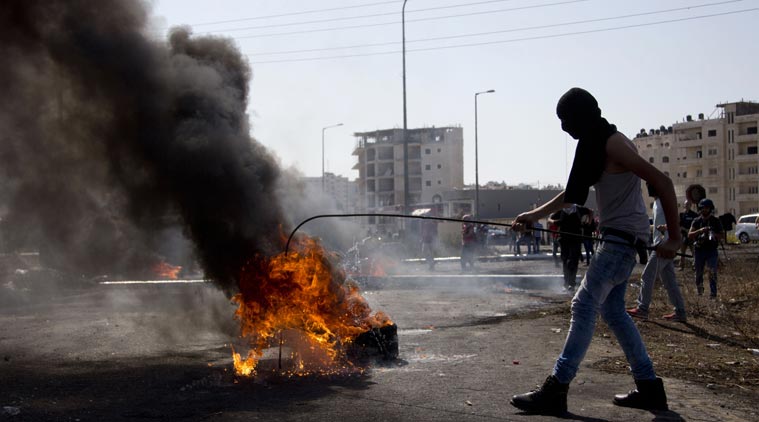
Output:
x,y
721,153
435,165
342,192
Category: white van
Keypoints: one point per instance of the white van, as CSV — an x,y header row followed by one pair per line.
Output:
x,y
745,230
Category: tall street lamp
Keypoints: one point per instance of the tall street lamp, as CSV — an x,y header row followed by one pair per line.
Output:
x,y
405,121
323,129
476,160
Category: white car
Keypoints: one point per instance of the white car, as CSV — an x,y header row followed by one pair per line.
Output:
x,y
745,230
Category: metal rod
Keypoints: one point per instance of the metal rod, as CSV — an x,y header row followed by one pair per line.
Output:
x,y
457,220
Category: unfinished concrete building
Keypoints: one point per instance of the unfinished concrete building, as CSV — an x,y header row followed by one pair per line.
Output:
x,y
435,164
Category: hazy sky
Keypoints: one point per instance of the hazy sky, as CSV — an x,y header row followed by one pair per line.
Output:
x,y
529,51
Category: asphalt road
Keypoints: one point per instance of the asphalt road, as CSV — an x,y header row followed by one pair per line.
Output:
x,y
162,352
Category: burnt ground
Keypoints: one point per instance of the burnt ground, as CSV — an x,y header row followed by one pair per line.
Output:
x,y
467,343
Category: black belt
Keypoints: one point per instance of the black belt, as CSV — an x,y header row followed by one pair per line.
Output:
x,y
640,246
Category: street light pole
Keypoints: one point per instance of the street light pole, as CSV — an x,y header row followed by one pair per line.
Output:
x,y
405,120
476,158
323,129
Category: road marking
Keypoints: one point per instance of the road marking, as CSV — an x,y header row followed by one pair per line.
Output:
x,y
155,281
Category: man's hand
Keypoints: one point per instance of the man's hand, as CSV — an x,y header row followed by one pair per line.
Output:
x,y
523,221
662,228
668,249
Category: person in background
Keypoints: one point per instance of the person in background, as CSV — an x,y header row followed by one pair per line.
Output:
x,y
468,244
659,268
538,233
686,220
568,221
588,228
706,232
608,161
728,221
525,238
429,239
554,228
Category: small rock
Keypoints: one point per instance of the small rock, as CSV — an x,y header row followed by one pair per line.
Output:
x,y
711,386
755,352
515,362
713,345
468,403
556,330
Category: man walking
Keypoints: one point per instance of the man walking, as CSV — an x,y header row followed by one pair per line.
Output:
x,y
608,161
659,267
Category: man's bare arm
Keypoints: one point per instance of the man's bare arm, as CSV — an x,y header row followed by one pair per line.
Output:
x,y
550,207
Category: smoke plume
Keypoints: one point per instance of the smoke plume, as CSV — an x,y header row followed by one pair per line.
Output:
x,y
108,138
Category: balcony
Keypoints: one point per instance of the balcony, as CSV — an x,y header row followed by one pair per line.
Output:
x,y
746,156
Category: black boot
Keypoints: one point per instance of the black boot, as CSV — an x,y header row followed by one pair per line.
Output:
x,y
549,399
649,395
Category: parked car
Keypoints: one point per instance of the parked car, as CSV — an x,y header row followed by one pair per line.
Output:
x,y
746,230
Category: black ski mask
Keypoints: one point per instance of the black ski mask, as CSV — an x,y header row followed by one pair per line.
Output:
x,y
581,119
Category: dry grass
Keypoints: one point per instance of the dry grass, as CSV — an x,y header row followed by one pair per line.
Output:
x,y
712,347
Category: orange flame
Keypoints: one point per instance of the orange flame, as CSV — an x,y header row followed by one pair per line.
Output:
x,y
300,302
165,270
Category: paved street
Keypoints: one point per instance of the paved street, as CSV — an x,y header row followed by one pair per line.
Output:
x,y
467,343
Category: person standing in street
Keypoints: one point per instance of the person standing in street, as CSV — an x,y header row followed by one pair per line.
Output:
x,y
659,268
568,222
468,243
608,161
429,239
538,233
588,231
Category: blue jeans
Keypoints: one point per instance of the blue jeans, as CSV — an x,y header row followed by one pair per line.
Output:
x,y
603,289
664,269
708,257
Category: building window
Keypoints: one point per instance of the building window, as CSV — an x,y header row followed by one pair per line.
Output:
x,y
712,190
665,159
711,151
751,130
439,166
427,151
427,167
651,159
685,175
428,183
751,151
699,173
439,150
439,182
712,172
699,154
711,133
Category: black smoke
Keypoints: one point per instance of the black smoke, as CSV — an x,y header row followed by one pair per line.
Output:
x,y
109,138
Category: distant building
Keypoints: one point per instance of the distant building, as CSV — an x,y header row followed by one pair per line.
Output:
x,y
435,164
722,154
498,204
342,192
